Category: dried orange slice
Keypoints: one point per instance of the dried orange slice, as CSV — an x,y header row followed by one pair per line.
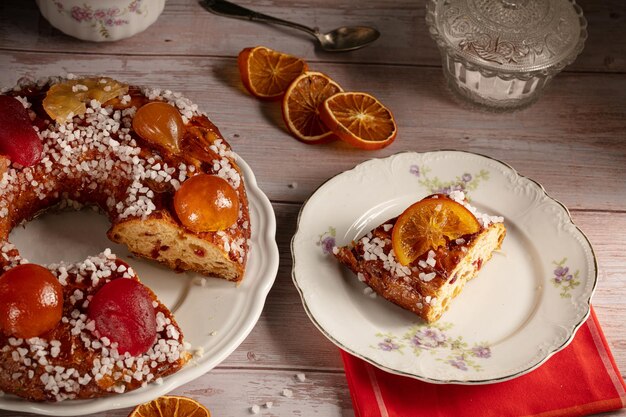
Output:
x,y
67,99
359,119
429,224
301,107
171,406
266,73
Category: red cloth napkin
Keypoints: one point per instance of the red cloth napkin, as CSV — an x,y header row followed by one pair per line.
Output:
x,y
582,379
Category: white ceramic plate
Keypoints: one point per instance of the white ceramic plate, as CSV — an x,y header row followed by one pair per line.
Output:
x,y
525,305
215,317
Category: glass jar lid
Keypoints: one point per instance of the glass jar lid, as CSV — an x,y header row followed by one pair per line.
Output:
x,y
509,36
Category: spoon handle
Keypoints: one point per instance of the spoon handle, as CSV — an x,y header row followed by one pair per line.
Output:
x,y
228,9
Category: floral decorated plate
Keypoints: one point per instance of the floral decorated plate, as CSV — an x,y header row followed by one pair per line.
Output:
x,y
525,305
215,315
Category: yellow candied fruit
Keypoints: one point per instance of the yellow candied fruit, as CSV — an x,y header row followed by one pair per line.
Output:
x,y
67,99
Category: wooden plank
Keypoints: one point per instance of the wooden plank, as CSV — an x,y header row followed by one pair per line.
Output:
x,y
232,393
186,29
571,140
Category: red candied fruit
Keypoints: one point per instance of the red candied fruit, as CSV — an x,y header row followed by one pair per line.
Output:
x,y
206,203
18,139
31,301
123,312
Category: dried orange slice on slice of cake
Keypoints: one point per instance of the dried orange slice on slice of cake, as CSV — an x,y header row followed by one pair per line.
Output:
x,y
429,224
359,119
301,107
171,406
266,73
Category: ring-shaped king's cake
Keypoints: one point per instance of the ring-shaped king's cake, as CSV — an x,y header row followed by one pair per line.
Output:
x,y
170,185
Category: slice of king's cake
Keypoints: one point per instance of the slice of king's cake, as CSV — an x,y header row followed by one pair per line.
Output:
x,y
422,259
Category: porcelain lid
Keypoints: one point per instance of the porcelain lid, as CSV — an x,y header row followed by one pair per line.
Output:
x,y
511,36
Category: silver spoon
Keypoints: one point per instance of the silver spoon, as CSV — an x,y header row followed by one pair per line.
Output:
x,y
345,38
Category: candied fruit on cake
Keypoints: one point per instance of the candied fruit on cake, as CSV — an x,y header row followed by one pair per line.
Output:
x,y
435,274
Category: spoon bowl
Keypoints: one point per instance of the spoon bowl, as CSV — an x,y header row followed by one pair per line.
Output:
x,y
345,38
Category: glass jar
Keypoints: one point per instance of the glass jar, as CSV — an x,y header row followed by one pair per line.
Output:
x,y
503,53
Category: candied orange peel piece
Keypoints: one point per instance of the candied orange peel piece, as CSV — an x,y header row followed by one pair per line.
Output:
x,y
429,224
31,301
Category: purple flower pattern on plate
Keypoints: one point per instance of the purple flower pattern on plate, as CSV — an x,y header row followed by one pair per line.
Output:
x,y
459,363
564,279
464,182
389,343
436,339
102,18
327,241
428,338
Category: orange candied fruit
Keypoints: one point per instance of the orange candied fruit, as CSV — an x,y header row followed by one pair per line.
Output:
x,y
160,123
429,224
31,301
206,203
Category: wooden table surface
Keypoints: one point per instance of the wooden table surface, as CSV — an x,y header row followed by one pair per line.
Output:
x,y
573,141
